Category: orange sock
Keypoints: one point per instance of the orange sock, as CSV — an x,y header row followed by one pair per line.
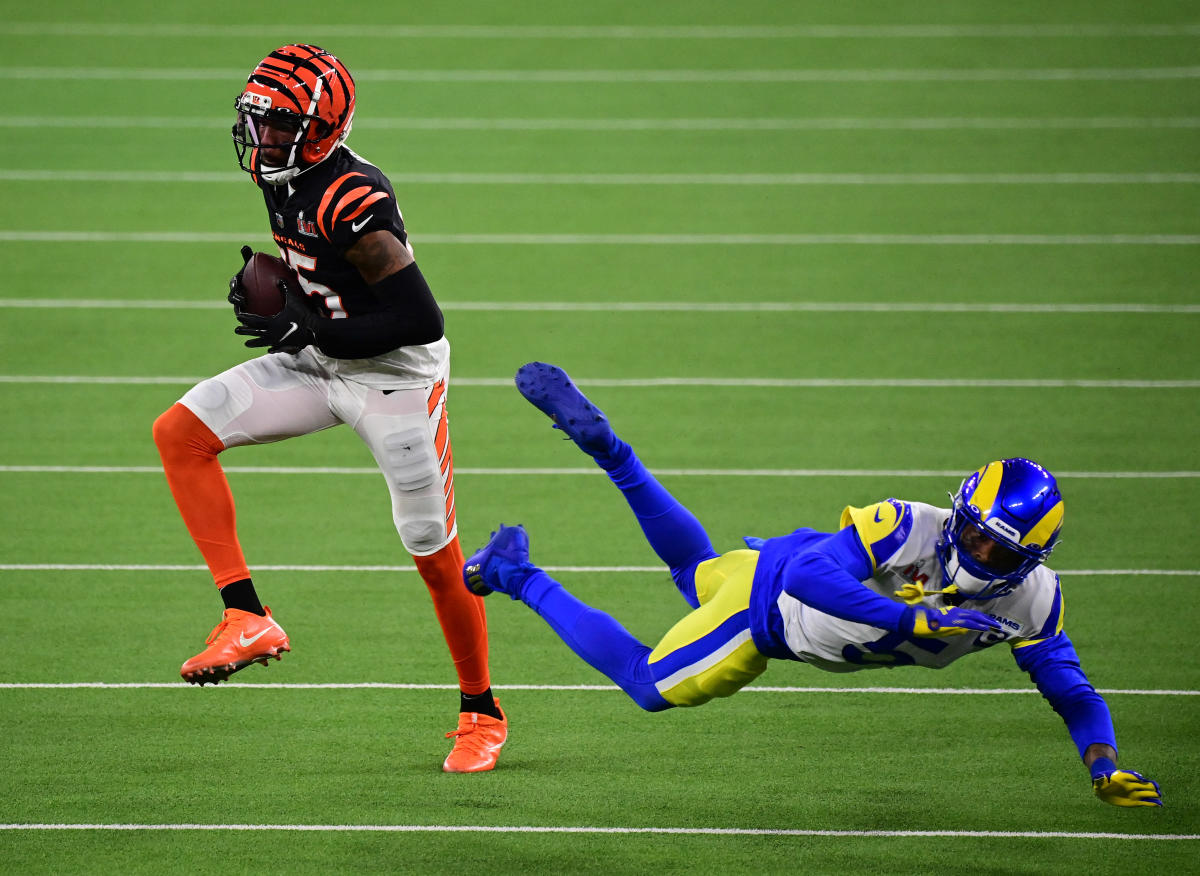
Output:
x,y
189,455
461,614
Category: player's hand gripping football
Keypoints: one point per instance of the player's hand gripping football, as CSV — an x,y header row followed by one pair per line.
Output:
x,y
289,331
237,292
938,623
1123,787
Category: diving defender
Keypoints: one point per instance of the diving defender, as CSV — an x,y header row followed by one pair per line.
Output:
x,y
899,584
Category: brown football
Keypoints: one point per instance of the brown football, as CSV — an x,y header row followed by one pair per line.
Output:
x,y
259,281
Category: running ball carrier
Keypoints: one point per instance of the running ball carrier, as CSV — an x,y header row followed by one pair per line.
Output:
x,y
293,118
358,341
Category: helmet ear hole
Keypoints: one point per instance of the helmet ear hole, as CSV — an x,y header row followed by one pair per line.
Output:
x,y
311,153
318,132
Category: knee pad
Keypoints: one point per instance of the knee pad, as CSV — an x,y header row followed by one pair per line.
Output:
x,y
422,537
409,460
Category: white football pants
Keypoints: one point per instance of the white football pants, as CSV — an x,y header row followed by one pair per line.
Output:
x,y
280,396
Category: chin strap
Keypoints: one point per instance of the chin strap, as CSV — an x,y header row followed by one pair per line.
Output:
x,y
916,592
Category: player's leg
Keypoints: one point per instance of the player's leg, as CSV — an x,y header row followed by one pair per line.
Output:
x,y
261,400
709,653
503,564
671,529
407,431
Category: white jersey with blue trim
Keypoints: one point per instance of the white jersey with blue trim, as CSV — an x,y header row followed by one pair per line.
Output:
x,y
900,539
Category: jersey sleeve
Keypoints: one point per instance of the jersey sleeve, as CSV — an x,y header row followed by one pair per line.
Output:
x,y
1054,667
1048,622
883,528
354,205
827,574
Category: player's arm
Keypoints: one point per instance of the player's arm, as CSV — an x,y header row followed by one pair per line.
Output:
x,y
1054,667
828,576
410,316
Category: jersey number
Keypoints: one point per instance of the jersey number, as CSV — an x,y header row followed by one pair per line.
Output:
x,y
883,652
331,300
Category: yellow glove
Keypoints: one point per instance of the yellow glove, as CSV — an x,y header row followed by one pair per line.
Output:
x,y
937,623
1123,787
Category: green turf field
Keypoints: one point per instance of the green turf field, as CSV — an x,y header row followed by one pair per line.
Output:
x,y
803,254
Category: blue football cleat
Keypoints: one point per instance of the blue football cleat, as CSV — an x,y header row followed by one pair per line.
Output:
x,y
492,567
550,390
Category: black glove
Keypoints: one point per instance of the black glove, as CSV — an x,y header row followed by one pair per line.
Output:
x,y
237,294
289,331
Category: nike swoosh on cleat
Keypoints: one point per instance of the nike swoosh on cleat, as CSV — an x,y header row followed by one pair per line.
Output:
x,y
288,333
355,226
244,642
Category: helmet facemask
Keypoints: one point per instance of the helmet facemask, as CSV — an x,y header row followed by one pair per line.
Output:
x,y
1014,503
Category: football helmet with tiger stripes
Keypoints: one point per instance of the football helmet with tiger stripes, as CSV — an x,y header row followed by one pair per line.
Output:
x,y
295,111
1005,521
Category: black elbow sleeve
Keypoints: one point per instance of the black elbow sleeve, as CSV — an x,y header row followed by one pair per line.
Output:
x,y
410,317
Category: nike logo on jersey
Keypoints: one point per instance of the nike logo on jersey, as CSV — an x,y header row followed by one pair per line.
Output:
x,y
288,333
355,226
246,643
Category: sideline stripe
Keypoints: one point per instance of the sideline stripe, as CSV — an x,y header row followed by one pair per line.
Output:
x,y
146,567
643,239
654,306
381,685
608,32
967,74
308,471
419,123
676,831
734,382
643,179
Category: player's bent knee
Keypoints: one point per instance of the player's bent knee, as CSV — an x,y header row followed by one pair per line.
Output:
x,y
422,537
647,697
164,429
685,582
178,432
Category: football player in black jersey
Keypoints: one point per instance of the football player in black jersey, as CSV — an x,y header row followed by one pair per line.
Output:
x,y
359,341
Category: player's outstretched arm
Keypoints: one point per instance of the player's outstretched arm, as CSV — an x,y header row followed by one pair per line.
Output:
x,y
1054,667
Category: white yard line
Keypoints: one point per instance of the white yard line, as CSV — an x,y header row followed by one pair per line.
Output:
x,y
674,831
673,239
1083,30
714,382
419,123
656,306
150,567
309,471
641,179
603,688
634,76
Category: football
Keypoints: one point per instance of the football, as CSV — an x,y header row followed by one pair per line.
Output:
x,y
259,280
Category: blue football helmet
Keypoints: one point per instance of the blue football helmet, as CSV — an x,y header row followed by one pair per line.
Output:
x,y
1014,503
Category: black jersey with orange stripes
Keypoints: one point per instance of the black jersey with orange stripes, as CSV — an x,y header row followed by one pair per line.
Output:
x,y
322,213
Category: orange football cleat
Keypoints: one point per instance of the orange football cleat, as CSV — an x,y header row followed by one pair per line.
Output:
x,y
241,638
478,741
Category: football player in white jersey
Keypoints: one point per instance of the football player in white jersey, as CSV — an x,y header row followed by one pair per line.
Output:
x,y
901,583
360,342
